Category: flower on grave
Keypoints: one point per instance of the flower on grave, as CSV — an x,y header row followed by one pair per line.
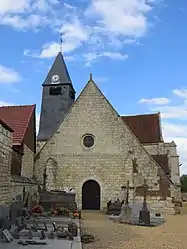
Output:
x,y
37,209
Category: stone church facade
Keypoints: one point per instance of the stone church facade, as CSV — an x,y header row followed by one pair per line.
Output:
x,y
86,145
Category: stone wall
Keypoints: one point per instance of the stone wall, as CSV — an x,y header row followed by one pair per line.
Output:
x,y
173,160
27,167
109,161
18,183
5,165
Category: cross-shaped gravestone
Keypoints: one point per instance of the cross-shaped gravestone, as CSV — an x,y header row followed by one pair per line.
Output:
x,y
145,191
125,214
127,188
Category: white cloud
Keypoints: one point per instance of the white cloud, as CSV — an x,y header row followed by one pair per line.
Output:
x,y
180,92
177,133
155,101
27,14
130,16
8,75
94,27
10,6
4,103
92,57
171,112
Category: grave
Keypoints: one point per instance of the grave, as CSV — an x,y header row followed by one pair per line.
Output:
x,y
54,199
114,207
138,213
125,214
15,209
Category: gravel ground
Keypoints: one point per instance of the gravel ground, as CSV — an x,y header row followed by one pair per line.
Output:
x,y
112,235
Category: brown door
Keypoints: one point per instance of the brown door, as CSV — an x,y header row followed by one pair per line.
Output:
x,y
91,195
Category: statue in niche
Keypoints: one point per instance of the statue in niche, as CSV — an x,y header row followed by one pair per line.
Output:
x,y
135,165
51,172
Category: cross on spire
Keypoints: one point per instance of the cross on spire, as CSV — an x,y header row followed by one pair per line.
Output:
x,y
61,42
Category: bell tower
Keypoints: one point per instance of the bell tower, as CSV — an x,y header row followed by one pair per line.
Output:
x,y
57,97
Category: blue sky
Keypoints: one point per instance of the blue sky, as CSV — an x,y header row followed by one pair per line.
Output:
x,y
136,50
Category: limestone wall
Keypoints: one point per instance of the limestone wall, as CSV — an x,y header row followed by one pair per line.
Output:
x,y
171,150
17,189
108,162
27,167
5,164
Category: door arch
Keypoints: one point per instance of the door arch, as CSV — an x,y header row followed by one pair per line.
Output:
x,y
91,194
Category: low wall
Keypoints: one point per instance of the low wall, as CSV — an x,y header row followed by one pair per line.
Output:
x,y
159,206
20,183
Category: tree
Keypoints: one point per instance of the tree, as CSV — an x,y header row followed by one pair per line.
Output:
x,y
183,180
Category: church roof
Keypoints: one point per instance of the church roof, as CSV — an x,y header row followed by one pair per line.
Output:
x,y
58,69
162,160
146,127
7,127
18,118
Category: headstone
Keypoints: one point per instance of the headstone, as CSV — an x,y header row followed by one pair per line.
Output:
x,y
15,210
125,215
4,212
144,216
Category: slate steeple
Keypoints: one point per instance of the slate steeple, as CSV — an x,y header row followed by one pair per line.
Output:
x,y
58,74
57,97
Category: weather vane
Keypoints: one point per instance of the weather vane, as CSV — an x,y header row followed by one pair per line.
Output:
x,y
61,42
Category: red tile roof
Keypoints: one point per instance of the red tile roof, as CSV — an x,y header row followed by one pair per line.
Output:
x,y
5,125
146,127
18,118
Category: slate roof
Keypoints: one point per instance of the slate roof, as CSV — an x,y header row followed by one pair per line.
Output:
x,y
5,125
58,68
18,118
146,127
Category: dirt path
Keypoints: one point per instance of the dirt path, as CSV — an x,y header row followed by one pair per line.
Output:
x,y
111,235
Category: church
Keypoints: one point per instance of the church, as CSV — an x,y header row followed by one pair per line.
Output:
x,y
85,144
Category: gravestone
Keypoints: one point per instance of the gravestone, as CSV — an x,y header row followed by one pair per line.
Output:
x,y
144,215
4,217
135,211
15,210
4,212
125,215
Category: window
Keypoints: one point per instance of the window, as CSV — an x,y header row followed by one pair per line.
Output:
x,y
55,90
88,141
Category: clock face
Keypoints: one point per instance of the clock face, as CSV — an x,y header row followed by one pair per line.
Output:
x,y
55,78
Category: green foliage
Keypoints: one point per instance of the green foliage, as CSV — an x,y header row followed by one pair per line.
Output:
x,y
183,180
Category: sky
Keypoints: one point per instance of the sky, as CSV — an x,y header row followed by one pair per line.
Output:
x,y
135,49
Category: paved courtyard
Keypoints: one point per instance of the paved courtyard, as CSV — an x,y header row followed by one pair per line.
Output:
x,y
109,234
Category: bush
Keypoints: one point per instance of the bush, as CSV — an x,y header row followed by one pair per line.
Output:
x,y
183,180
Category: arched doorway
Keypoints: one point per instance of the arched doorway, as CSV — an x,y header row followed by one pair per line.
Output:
x,y
91,195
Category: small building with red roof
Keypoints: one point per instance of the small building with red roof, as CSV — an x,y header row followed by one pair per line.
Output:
x,y
22,121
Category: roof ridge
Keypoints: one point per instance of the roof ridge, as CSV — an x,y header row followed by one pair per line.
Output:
x,y
10,106
33,108
135,115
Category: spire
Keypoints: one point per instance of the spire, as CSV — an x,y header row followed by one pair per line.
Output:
x,y
58,74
